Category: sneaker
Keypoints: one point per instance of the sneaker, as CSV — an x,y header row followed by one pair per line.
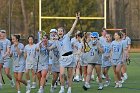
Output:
x,y
52,90
103,76
28,89
76,79
83,80
107,83
33,85
117,85
100,88
12,83
125,76
0,85
18,92
61,91
97,80
55,86
86,86
120,84
69,91
40,90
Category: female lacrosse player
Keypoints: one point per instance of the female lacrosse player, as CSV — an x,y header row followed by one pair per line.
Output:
x,y
106,64
18,61
116,57
55,65
127,44
93,59
31,62
43,62
83,57
77,51
66,56
5,60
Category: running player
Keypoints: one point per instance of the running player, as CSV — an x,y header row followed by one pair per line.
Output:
x,y
116,57
17,54
66,56
127,43
94,61
31,62
106,64
43,62
77,51
5,59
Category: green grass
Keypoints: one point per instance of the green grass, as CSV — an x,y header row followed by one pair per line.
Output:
x,y
132,85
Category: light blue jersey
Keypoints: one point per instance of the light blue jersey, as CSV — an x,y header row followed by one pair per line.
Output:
x,y
5,44
18,61
117,49
93,55
31,59
106,62
16,58
64,45
126,41
102,40
44,54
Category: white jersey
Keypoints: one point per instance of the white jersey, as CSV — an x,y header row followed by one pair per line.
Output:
x,y
4,45
102,39
117,49
77,47
126,41
18,60
31,53
63,45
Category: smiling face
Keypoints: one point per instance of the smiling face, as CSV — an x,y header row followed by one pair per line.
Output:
x,y
60,32
45,39
117,36
14,39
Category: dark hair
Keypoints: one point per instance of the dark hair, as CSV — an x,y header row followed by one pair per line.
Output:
x,y
80,35
62,28
31,36
46,36
123,30
119,33
17,37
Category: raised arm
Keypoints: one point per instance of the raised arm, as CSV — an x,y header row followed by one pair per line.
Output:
x,y
74,24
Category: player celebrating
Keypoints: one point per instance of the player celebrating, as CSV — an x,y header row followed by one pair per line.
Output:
x,y
66,56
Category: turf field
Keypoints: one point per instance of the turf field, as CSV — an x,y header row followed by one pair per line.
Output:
x,y
132,85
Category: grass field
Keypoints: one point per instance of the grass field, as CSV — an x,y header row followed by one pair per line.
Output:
x,y
132,85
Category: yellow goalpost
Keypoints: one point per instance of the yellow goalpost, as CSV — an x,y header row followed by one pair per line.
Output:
x,y
83,18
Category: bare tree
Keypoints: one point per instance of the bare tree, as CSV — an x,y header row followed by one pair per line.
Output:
x,y
24,17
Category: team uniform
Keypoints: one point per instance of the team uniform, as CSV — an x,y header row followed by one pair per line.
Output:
x,y
43,58
18,61
93,56
64,46
117,52
55,60
31,59
77,51
126,41
4,45
106,55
